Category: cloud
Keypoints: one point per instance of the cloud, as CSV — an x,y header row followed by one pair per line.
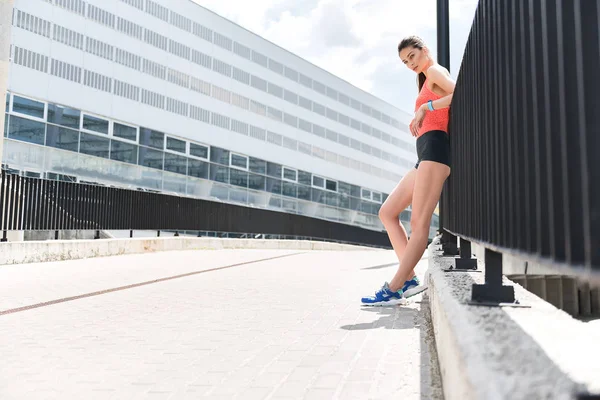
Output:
x,y
353,39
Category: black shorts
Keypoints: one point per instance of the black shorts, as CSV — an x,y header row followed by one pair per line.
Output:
x,y
433,146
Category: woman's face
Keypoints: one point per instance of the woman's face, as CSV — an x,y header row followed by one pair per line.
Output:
x,y
414,58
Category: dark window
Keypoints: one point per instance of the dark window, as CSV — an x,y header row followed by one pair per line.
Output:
x,y
175,145
258,166
332,199
256,182
238,178
331,185
274,185
304,178
198,150
175,163
95,124
197,168
303,192
125,152
125,132
94,145
26,130
64,116
290,174
28,107
344,187
274,170
219,173
151,138
219,155
354,191
289,189
239,161
318,195
150,158
62,138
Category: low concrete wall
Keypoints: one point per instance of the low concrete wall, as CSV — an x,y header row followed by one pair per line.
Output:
x,y
43,251
493,353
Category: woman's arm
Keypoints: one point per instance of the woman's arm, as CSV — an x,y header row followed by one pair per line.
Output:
x,y
438,76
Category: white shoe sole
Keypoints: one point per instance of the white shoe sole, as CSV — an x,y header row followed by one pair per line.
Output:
x,y
414,291
394,302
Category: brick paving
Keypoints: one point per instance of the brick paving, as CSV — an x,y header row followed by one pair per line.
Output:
x,y
284,328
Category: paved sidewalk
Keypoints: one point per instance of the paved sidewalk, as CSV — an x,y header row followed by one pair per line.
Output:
x,y
283,328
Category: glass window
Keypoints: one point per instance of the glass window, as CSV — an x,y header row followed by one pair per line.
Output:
x,y
257,165
94,145
289,189
150,158
273,170
197,168
303,192
125,132
219,155
344,201
125,152
197,150
318,195
7,102
219,173
290,174
318,181
175,163
62,138
256,182
26,130
377,197
274,185
355,191
28,107
151,138
332,199
238,178
304,177
175,145
239,161
331,185
95,124
344,187
64,116
366,194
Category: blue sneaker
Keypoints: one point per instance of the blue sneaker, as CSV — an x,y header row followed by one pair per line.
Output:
x,y
413,287
384,297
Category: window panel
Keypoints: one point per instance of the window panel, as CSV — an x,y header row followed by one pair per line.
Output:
x,y
151,138
124,152
219,155
219,173
95,124
238,178
274,185
198,150
290,174
28,107
274,169
289,189
94,145
175,145
257,182
303,192
318,181
239,161
64,116
304,177
124,132
176,163
257,165
198,169
331,185
62,138
26,130
150,158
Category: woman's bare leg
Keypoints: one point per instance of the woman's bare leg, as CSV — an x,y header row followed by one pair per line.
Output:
x,y
398,201
428,185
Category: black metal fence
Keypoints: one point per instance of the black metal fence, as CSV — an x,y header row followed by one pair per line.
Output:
x,y
32,204
525,136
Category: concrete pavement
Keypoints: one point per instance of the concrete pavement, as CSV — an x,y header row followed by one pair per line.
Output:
x,y
218,324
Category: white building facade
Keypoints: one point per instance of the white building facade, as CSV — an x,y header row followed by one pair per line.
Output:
x,y
165,95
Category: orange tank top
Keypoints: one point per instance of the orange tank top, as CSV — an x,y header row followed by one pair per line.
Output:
x,y
436,120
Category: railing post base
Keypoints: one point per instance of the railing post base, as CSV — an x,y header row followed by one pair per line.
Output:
x,y
4,238
449,245
97,235
130,233
492,292
465,261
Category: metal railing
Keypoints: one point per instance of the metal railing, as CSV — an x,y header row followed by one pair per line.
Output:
x,y
34,204
525,139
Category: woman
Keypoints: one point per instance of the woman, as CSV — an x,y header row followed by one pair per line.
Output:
x,y
422,186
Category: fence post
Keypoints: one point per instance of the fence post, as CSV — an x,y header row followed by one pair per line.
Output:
x,y
465,261
492,292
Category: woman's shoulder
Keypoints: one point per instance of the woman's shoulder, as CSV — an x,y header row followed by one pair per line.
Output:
x,y
437,70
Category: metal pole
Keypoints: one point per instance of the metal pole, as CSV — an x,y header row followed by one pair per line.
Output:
x,y
6,15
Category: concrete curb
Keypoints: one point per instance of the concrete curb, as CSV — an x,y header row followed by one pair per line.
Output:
x,y
58,250
493,353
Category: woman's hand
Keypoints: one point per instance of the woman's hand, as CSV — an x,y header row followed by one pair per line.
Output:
x,y
417,121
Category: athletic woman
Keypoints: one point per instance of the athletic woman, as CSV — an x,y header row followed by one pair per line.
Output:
x,y
422,186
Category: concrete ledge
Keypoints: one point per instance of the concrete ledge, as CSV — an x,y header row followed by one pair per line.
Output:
x,y
57,250
507,353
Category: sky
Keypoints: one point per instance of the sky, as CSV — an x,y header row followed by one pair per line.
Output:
x,y
356,40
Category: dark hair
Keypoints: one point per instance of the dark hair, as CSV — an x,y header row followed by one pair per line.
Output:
x,y
418,43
